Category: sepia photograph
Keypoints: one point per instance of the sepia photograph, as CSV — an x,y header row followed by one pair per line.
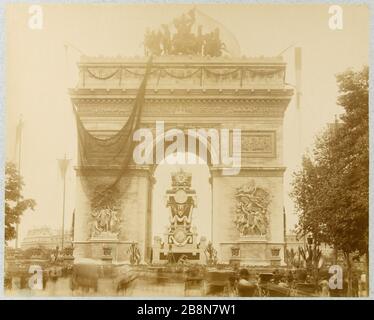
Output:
x,y
195,150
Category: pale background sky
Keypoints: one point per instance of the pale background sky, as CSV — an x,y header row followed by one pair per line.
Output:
x,y
39,71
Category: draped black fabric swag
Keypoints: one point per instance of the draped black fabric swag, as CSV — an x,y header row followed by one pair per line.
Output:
x,y
118,148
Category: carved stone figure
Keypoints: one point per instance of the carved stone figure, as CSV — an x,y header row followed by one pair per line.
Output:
x,y
251,210
105,220
211,254
184,41
166,40
134,253
185,22
152,42
105,213
213,44
147,42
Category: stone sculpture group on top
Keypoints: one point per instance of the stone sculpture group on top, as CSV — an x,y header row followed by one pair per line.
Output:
x,y
183,42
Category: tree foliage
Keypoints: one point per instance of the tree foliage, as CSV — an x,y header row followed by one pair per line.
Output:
x,y
15,204
331,190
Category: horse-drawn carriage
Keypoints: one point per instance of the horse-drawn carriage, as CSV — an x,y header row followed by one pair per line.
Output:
x,y
270,286
86,276
219,283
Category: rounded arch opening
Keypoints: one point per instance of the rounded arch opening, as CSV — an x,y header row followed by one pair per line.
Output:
x,y
201,215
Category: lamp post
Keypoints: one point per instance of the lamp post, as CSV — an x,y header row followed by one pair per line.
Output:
x,y
63,164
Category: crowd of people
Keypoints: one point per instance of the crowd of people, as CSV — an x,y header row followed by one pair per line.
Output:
x,y
297,282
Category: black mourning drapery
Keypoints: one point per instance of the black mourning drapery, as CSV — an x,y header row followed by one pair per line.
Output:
x,y
118,148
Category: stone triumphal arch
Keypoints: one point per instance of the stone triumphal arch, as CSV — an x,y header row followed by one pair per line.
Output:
x,y
184,91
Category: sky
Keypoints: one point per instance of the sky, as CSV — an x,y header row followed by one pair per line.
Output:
x,y
41,66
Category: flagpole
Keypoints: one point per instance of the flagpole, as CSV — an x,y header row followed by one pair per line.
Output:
x,y
63,214
297,87
19,133
298,67
63,163
284,233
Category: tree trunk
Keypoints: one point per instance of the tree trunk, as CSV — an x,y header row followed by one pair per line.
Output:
x,y
315,265
335,256
367,272
349,273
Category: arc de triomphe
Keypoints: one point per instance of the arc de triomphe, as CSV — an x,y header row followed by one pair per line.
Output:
x,y
189,92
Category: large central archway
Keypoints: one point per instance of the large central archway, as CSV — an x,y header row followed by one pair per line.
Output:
x,y
201,215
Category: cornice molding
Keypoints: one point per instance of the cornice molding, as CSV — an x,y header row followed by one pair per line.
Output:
x,y
185,93
147,171
251,172
186,108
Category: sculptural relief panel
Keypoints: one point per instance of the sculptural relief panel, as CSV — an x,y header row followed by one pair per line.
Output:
x,y
251,211
198,107
105,213
247,209
259,144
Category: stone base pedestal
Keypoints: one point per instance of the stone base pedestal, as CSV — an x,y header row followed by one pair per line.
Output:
x,y
117,251
251,253
235,262
177,254
104,249
174,254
